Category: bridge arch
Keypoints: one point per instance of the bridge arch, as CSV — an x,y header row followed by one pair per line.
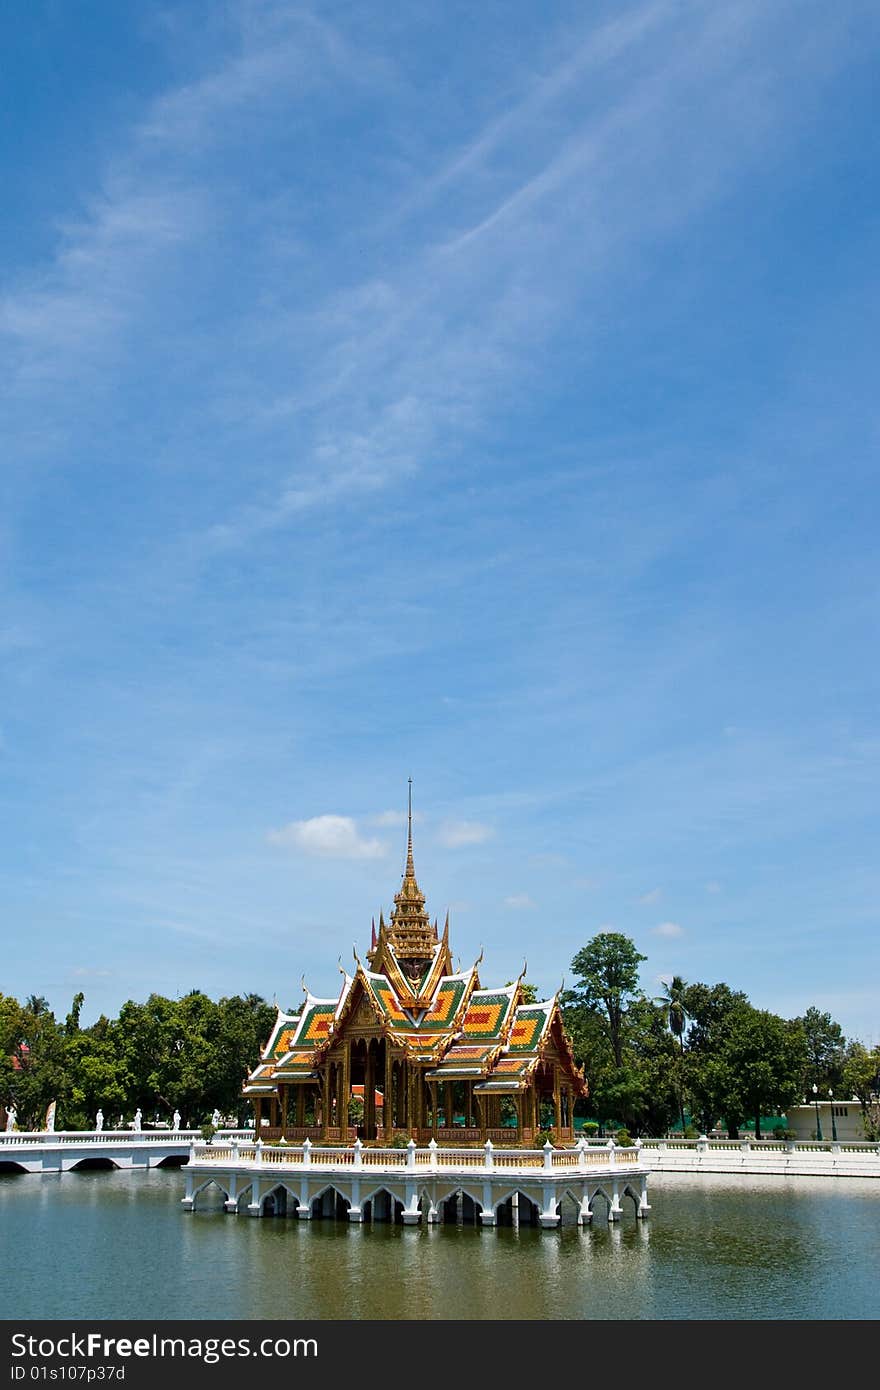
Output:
x,y
629,1191
382,1205
203,1188
85,1165
598,1192
459,1206
517,1208
329,1203
280,1200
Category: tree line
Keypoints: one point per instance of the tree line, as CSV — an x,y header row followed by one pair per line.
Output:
x,y
701,1054
189,1054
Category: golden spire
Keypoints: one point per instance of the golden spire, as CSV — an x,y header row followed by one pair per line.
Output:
x,y
409,926
410,871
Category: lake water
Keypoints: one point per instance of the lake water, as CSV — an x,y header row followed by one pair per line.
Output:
x,y
118,1245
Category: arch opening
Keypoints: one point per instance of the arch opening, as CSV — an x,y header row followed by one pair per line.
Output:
x,y
459,1209
383,1207
517,1210
209,1197
330,1205
280,1202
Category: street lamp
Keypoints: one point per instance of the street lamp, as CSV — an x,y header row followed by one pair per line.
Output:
x,y
833,1121
818,1121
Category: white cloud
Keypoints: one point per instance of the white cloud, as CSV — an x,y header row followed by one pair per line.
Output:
x,y
668,929
520,901
653,896
455,834
328,837
394,818
713,887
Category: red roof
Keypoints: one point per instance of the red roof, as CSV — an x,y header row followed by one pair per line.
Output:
x,y
359,1092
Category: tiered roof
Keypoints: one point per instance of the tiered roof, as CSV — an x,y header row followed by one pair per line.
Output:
x,y
435,1016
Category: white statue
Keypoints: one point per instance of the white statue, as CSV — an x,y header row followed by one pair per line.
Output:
x,y
11,1116
99,1122
175,1120
215,1119
136,1122
50,1117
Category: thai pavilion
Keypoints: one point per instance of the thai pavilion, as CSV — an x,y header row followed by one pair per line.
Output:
x,y
433,1053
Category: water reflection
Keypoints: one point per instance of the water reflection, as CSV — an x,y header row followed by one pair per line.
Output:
x,y
118,1245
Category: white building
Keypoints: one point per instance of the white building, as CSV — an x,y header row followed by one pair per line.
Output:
x,y
842,1116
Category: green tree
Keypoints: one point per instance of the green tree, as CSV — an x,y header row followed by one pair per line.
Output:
x,y
707,1083
763,1056
861,1078
95,1075
32,1073
825,1049
634,1084
672,1003
651,1056
607,969
529,992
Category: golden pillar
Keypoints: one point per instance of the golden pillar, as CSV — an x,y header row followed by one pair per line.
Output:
x,y
449,1105
346,1091
283,1109
325,1108
370,1091
557,1102
258,1115
388,1098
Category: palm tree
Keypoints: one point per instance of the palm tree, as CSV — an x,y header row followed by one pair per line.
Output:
x,y
676,1018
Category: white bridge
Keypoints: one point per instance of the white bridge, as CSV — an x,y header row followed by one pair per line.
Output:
x,y
61,1152
486,1185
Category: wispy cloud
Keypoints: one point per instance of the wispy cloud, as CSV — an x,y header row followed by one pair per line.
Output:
x,y
653,896
328,837
520,902
418,356
457,834
668,929
394,818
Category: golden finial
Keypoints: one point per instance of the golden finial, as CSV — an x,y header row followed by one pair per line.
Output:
x,y
410,871
305,988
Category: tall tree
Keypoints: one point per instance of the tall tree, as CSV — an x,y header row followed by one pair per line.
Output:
x,y
32,1074
764,1058
607,970
672,1003
861,1078
707,1079
826,1050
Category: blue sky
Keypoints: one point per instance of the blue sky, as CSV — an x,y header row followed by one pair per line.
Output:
x,y
483,394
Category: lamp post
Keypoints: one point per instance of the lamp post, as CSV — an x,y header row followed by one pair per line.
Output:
x,y
818,1121
833,1121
